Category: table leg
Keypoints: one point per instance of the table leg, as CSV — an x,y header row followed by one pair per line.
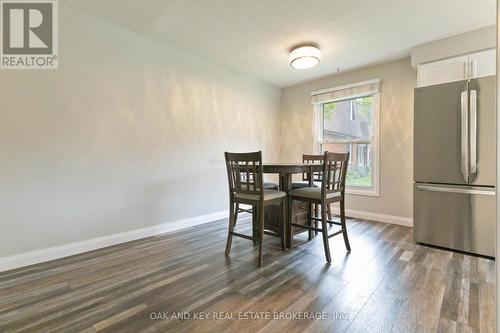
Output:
x,y
286,186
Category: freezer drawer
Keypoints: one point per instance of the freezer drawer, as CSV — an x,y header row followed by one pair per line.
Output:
x,y
455,217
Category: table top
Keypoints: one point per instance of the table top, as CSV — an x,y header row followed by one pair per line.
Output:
x,y
299,167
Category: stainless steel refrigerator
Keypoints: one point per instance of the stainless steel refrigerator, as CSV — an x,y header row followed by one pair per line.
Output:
x,y
455,165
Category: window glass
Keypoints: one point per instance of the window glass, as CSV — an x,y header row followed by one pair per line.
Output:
x,y
348,126
349,119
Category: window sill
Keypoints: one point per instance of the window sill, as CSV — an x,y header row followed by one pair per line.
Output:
x,y
362,192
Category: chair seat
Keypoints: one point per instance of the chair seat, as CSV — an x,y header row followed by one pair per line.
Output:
x,y
268,195
302,185
270,186
312,193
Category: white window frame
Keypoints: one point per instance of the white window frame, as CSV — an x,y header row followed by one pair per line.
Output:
x,y
374,190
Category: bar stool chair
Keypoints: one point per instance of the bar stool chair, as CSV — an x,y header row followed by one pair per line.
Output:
x,y
313,208
332,190
312,159
246,186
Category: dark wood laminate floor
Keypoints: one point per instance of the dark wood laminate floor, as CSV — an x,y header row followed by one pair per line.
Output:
x,y
387,284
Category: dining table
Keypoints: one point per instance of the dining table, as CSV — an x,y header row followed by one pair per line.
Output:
x,y
285,171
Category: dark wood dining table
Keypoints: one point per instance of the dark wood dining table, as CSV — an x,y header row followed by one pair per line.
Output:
x,y
285,172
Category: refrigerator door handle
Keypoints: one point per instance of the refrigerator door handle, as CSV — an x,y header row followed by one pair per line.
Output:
x,y
430,188
473,132
464,135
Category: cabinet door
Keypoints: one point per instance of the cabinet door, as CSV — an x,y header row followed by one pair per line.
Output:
x,y
483,63
447,70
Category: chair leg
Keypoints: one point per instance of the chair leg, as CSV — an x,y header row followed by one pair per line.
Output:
x,y
329,211
231,228
324,226
261,235
316,214
310,222
255,223
236,210
283,224
344,227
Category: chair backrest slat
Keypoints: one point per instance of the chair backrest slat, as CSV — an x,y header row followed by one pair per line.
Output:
x,y
245,173
334,171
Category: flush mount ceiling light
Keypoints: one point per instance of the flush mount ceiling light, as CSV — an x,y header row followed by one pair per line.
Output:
x,y
304,57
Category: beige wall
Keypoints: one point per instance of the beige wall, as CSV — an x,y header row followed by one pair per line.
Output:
x,y
396,121
126,134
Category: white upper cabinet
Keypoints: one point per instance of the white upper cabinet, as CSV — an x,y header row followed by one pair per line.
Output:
x,y
483,63
473,65
442,71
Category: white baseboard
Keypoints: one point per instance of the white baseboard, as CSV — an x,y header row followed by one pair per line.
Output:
x,y
400,220
56,252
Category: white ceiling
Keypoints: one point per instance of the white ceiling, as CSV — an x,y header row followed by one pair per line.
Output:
x,y
254,36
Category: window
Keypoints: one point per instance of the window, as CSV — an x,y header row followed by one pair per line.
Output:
x,y
347,121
